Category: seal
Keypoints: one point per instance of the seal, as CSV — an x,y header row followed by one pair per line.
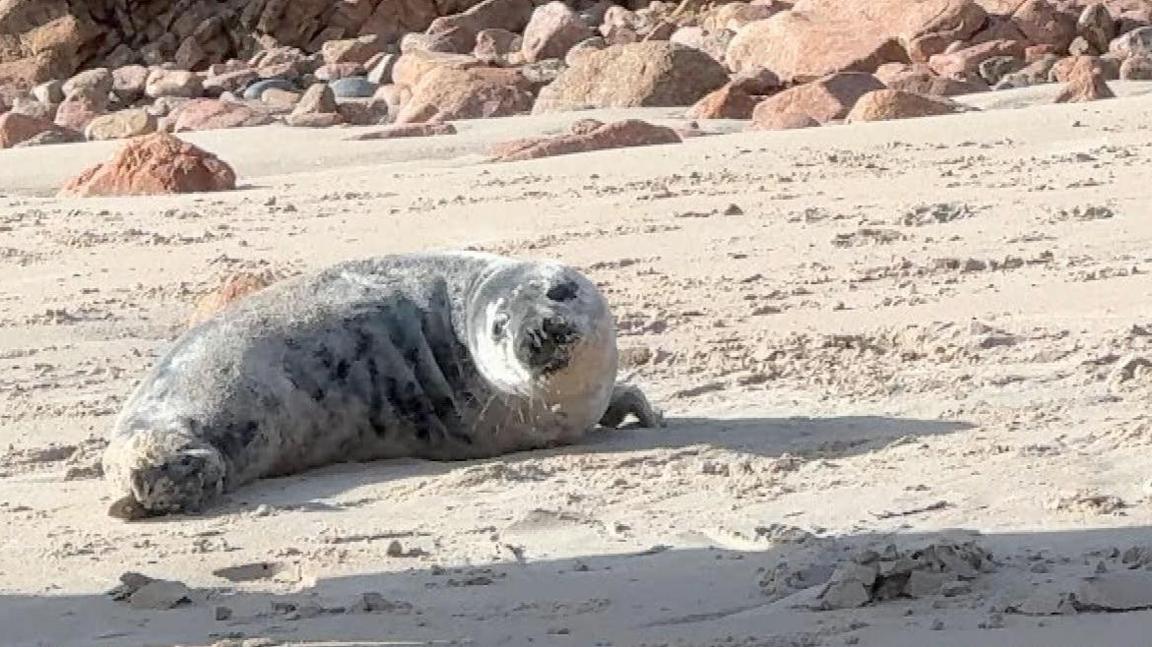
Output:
x,y
442,356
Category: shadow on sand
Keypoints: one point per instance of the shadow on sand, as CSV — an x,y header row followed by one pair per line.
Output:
x,y
768,437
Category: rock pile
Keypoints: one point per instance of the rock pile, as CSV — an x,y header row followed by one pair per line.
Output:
x,y
102,69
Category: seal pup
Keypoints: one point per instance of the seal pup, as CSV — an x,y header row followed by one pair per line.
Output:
x,y
445,356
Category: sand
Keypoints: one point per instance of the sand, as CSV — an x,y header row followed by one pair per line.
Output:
x,y
908,333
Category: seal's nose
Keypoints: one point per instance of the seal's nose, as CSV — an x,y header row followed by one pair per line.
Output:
x,y
546,347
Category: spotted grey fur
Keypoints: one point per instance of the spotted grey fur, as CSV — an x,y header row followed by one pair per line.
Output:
x,y
438,356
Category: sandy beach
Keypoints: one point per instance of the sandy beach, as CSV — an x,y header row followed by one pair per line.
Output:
x,y
873,337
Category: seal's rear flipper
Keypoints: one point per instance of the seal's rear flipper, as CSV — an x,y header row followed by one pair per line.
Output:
x,y
628,399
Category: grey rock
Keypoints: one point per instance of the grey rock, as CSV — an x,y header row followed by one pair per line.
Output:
x,y
353,87
254,91
160,594
1120,591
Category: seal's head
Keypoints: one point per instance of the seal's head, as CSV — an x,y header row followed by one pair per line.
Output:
x,y
543,329
164,472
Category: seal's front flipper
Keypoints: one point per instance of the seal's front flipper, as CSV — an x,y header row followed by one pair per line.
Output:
x,y
128,509
628,399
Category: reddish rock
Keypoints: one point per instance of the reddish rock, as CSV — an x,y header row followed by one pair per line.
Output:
x,y
352,50
213,114
729,102
234,288
920,79
553,30
884,105
128,82
336,71
121,125
1043,23
787,120
796,47
17,128
154,164
735,15
412,66
757,81
823,100
233,81
925,27
363,112
627,133
1034,53
966,62
314,119
655,73
447,94
1064,68
77,113
457,33
173,83
495,45
1085,83
403,131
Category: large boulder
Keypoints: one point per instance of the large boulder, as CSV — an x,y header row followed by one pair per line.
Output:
x,y
154,164
924,27
884,105
44,39
802,47
446,93
457,33
1042,23
553,30
655,73
823,100
17,128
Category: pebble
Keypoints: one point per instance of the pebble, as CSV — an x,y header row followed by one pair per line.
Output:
x,y
353,87
223,613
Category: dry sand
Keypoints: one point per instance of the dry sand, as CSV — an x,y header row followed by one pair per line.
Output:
x,y
901,333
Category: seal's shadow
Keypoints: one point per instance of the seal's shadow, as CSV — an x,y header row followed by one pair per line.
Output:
x,y
769,437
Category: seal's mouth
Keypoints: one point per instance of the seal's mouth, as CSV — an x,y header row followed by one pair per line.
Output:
x,y
546,348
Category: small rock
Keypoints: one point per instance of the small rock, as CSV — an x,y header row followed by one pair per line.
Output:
x,y
121,125
223,613
395,549
353,87
160,594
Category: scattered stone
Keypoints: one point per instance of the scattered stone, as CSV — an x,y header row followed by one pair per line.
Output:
x,y
257,89
376,603
400,131
160,594
395,549
49,92
1119,591
121,125
627,133
223,614
77,112
230,82
173,83
256,570
154,164
353,87
883,105
1085,83
17,128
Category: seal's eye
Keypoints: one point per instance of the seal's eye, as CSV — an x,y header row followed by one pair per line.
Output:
x,y
498,326
565,291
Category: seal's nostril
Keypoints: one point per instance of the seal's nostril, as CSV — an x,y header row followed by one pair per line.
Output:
x,y
565,291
